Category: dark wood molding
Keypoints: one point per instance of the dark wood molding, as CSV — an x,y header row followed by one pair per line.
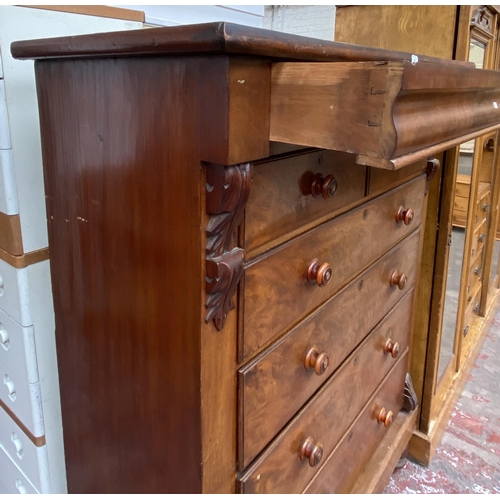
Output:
x,y
26,259
216,37
228,189
410,400
431,169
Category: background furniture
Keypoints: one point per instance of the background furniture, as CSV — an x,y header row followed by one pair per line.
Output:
x,y
31,447
458,287
224,286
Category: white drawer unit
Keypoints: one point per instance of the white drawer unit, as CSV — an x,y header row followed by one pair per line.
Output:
x,y
11,477
17,347
4,119
31,459
8,196
14,293
21,398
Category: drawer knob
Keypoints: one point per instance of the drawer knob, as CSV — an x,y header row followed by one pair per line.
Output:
x,y
314,452
392,347
20,487
18,445
398,280
476,308
477,271
11,389
1,286
324,186
317,360
321,274
481,238
4,338
485,207
385,417
405,216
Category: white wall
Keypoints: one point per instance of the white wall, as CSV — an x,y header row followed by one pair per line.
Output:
x,y
172,15
317,21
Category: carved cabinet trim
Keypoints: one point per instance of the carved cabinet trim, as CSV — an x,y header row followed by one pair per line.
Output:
x,y
228,188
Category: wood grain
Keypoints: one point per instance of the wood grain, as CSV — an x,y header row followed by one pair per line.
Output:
x,y
95,10
281,203
11,240
401,27
269,398
386,108
278,469
360,441
269,281
129,403
216,37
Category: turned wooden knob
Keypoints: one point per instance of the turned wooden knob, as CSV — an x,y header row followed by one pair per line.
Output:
x,y
398,280
392,347
314,452
405,216
321,274
385,417
324,186
317,360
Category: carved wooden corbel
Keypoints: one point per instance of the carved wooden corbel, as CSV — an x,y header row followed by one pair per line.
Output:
x,y
228,189
410,400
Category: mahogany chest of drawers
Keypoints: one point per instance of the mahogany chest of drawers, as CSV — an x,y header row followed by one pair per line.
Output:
x,y
233,263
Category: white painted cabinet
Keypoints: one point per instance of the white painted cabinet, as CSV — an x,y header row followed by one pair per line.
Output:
x,y
31,440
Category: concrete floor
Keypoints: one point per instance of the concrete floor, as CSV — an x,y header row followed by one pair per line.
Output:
x,y
468,458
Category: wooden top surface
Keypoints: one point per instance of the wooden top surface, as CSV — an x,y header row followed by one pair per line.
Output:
x,y
219,37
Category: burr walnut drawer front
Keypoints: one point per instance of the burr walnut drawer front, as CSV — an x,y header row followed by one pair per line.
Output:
x,y
340,471
291,193
289,463
311,352
288,283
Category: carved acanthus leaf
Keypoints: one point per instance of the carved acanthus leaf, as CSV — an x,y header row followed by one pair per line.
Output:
x,y
228,189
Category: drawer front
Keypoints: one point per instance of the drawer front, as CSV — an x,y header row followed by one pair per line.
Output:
x,y
30,459
479,239
268,398
330,413
472,311
293,192
483,209
8,194
12,479
17,348
340,471
14,293
475,273
277,291
22,398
